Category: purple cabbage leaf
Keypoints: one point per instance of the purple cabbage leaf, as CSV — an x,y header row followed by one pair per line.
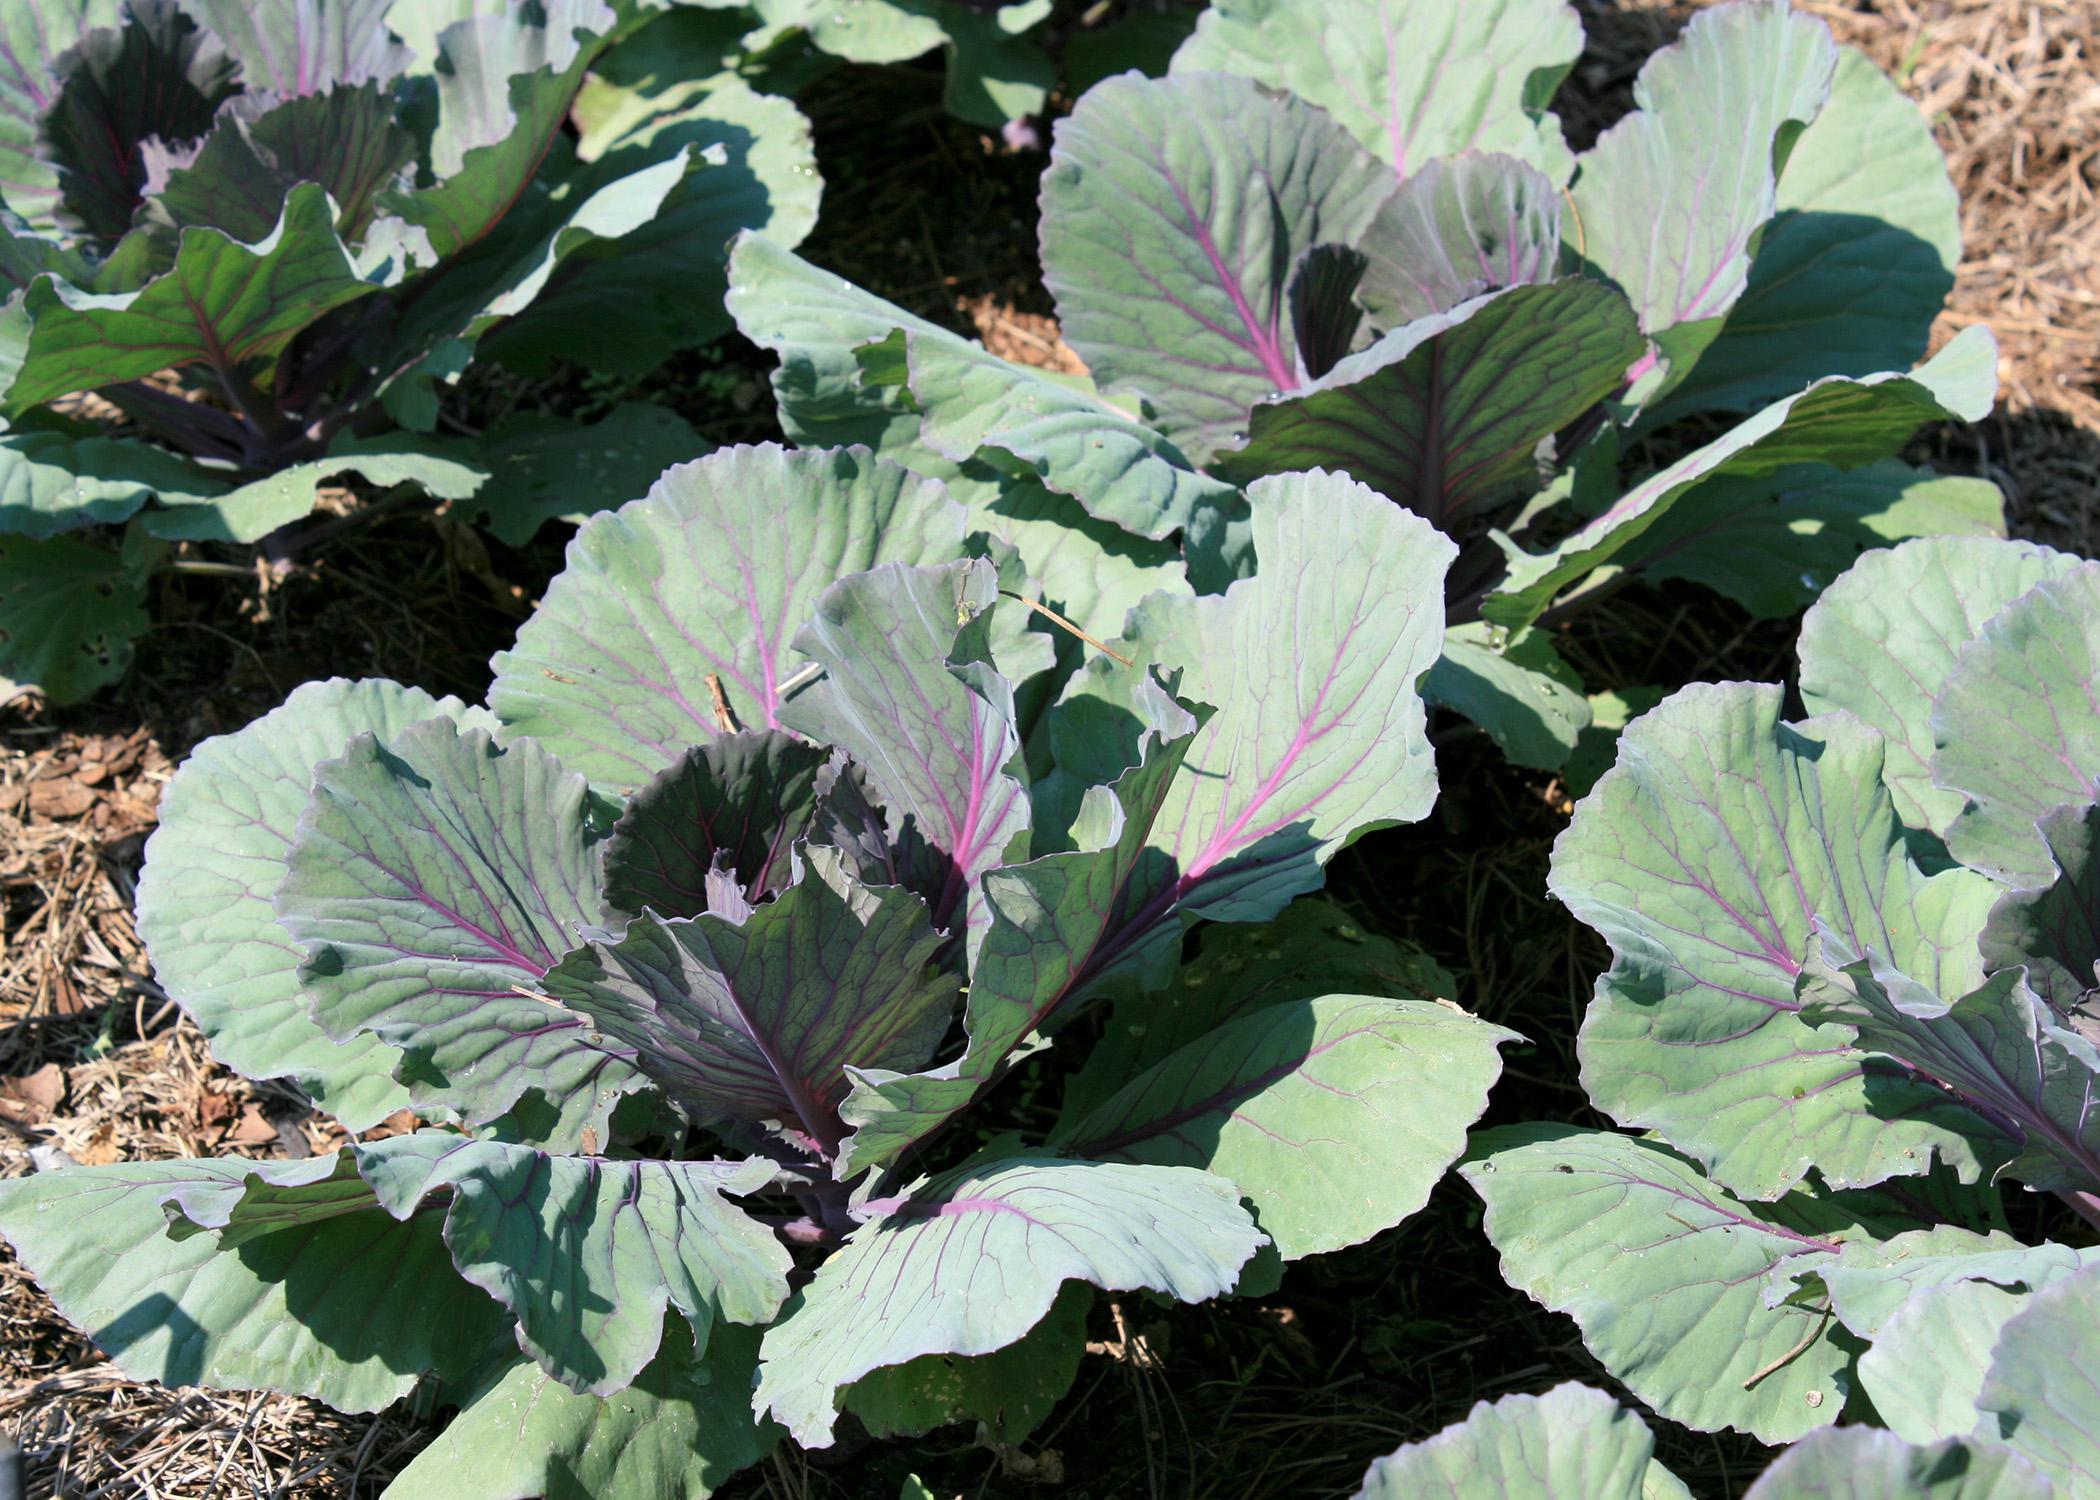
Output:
x,y
1017,1229
1575,1441
1857,1041
1884,636
433,882
1706,858
1345,236
2015,730
262,234
1413,84
208,921
678,1005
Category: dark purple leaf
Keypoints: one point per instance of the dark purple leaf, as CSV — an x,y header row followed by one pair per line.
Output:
x,y
223,304
2026,1078
908,694
1444,415
345,139
1056,924
34,38
741,801
759,1020
157,77
1324,313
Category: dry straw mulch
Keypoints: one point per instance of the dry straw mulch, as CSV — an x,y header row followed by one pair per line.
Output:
x,y
95,1063
2013,90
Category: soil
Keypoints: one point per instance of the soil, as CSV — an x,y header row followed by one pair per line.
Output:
x,y
1357,1352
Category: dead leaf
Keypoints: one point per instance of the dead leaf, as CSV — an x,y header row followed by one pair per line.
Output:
x,y
254,1129
1290,1332
65,995
30,1098
58,799
101,1148
214,1110
1046,1467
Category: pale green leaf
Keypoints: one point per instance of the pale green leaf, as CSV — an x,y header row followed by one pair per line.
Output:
x,y
1860,1463
1850,273
1663,1273
1412,82
587,1252
1458,228
711,573
1010,1390
2043,1396
1883,638
627,301
1671,198
969,1262
683,1428
1705,858
213,866
1573,1443
352,1309
1334,1117
1311,666
2016,726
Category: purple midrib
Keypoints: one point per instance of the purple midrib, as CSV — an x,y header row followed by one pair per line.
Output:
x,y
504,950
1224,841
1264,341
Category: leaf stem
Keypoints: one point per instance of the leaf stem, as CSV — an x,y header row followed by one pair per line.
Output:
x,y
2085,1205
199,430
1057,619
1590,593
718,702
1792,1354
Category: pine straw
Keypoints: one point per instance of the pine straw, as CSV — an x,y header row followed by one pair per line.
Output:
x,y
87,1429
2014,97
2013,94
74,810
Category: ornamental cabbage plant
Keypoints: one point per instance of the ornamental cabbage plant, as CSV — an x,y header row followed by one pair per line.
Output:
x,y
997,73
242,239
1576,1443
1351,236
1851,1004
700,955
